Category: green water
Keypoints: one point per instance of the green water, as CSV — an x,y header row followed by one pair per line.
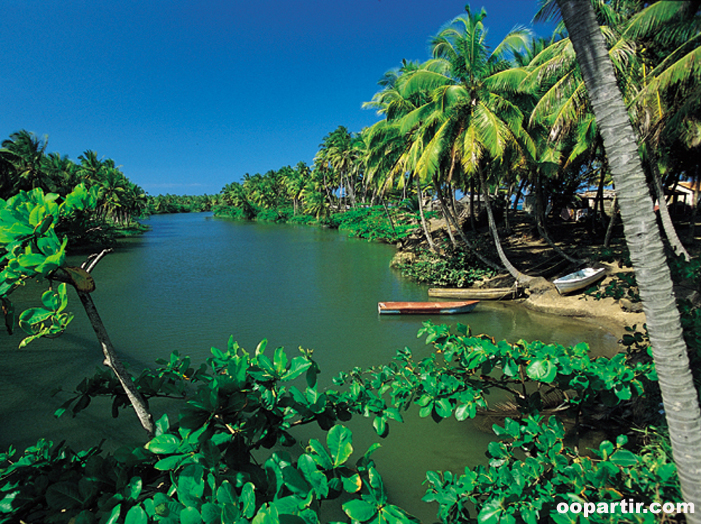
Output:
x,y
193,280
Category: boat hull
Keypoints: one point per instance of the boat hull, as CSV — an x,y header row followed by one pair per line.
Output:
x,y
578,280
426,308
501,293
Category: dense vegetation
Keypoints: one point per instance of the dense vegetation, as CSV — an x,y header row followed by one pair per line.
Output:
x,y
488,123
25,165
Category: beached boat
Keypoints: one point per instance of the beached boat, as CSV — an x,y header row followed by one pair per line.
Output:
x,y
426,308
579,279
474,293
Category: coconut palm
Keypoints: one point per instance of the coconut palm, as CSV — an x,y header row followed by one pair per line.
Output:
x,y
680,397
468,120
24,153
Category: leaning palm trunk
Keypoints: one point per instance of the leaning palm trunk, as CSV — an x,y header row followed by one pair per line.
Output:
x,y
451,221
420,197
680,398
521,278
612,221
669,230
81,280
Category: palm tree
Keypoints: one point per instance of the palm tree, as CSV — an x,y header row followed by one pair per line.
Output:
x,y
680,397
468,118
24,153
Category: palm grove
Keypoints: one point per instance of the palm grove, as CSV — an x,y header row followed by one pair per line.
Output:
x,y
493,123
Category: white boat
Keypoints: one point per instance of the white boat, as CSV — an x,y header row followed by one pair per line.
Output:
x,y
579,279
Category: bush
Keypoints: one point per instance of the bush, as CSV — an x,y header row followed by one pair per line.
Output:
x,y
455,269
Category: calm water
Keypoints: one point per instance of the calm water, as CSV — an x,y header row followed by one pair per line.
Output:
x,y
192,281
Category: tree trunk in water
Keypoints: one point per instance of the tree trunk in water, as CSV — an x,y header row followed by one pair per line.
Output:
x,y
680,398
420,197
112,361
520,277
669,230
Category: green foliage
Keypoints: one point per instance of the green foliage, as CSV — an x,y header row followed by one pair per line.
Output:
x,y
454,269
202,468
32,249
515,489
375,223
209,465
621,285
456,379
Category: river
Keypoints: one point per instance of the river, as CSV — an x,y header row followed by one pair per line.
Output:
x,y
193,280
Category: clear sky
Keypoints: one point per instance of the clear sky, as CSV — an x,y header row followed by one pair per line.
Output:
x,y
189,95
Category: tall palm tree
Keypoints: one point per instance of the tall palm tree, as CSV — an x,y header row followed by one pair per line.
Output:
x,y
468,118
680,397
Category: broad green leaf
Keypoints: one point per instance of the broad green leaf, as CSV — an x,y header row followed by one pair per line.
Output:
x,y
542,371
381,427
316,478
136,515
444,407
190,516
624,458
339,441
114,515
133,489
352,484
321,456
170,462
211,513
226,494
280,361
166,443
191,485
359,510
491,512
298,366
248,500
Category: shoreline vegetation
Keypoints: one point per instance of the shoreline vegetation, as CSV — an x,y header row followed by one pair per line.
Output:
x,y
491,166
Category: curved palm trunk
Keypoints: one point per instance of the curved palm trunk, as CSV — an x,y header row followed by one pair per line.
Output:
x,y
680,398
612,221
669,230
420,197
452,221
521,278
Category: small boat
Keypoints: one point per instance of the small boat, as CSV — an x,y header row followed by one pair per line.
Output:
x,y
426,308
579,279
474,293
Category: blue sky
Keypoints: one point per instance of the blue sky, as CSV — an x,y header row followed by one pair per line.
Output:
x,y
188,96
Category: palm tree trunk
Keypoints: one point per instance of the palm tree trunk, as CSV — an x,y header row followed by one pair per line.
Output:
x,y
473,222
669,230
520,277
680,397
452,220
420,197
113,362
612,221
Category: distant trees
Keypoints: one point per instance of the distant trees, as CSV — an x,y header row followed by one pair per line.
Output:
x,y
25,165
